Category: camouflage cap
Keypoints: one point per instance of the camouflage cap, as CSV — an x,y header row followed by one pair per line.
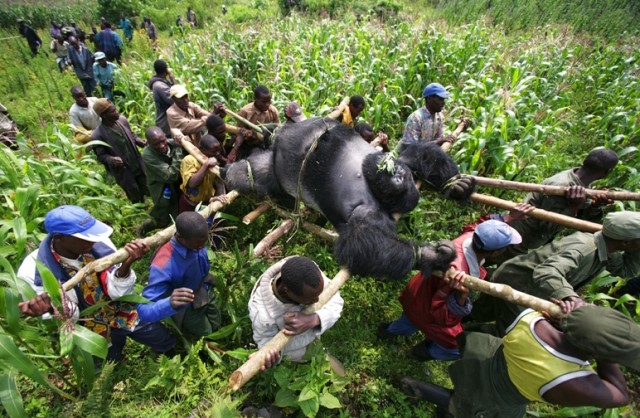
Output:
x,y
622,225
603,333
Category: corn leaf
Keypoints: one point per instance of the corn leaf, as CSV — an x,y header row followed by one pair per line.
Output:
x,y
90,342
9,395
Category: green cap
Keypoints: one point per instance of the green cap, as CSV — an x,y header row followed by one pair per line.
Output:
x,y
603,333
622,225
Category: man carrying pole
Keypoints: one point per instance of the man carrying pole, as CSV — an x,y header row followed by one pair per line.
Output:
x,y
556,269
75,238
535,232
277,301
540,359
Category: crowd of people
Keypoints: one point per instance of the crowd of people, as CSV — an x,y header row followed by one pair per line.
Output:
x,y
528,356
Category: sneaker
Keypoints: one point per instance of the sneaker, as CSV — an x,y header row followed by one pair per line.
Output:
x,y
383,332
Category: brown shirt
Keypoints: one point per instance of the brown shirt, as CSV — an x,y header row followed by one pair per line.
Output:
x,y
258,117
190,123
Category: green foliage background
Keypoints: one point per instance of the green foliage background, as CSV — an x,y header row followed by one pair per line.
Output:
x,y
539,100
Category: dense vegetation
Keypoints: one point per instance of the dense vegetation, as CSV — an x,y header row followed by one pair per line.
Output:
x,y
538,100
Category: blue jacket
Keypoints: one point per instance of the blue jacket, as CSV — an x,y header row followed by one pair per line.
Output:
x,y
173,266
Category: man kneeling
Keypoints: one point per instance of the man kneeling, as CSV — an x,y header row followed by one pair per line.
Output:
x,y
277,300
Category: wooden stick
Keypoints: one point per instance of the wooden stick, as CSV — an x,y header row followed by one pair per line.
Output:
x,y
273,236
564,220
326,234
252,366
254,214
243,121
508,293
232,129
553,190
198,155
462,126
335,114
154,240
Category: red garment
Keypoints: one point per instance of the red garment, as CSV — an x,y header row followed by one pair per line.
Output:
x,y
424,301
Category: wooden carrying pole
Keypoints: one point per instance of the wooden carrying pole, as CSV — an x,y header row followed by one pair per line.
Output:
x,y
273,236
319,231
154,240
232,129
335,114
564,220
552,190
254,214
198,155
243,121
509,294
446,147
252,366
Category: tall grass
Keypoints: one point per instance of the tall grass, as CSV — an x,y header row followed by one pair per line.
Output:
x,y
607,18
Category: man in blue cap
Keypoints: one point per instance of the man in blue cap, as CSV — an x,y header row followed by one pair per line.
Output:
x,y
426,123
75,238
436,306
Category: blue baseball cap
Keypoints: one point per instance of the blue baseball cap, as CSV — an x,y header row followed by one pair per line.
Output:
x,y
495,235
77,222
435,89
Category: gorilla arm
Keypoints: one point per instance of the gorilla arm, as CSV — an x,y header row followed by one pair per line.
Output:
x,y
369,246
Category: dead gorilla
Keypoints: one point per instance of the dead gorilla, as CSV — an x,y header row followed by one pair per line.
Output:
x,y
333,170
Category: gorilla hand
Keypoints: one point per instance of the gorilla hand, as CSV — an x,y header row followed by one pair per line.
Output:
x,y
438,257
459,187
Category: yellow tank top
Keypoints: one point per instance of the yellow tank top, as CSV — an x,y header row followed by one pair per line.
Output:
x,y
534,367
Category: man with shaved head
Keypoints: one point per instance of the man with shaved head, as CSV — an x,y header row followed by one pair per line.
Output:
x,y
162,162
82,115
180,284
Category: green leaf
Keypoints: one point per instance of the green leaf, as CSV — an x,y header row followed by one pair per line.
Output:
x,y
15,359
329,401
51,285
307,393
20,232
310,407
285,398
223,332
133,298
578,411
11,310
9,395
90,341
84,367
66,341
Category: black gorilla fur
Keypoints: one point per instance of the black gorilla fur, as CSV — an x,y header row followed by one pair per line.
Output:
x,y
333,170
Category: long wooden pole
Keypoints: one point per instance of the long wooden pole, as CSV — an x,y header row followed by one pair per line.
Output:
x,y
154,240
508,293
542,214
232,129
553,190
462,126
198,155
335,114
252,366
567,221
326,234
244,121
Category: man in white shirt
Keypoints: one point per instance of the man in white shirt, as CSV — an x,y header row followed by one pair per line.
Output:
x,y
277,301
83,118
